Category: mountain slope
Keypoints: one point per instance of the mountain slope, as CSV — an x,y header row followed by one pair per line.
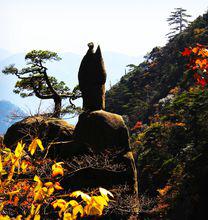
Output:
x,y
172,158
143,86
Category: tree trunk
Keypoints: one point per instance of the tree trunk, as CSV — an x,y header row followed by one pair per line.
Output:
x,y
57,107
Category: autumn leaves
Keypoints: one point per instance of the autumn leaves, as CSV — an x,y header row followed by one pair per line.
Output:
x,y
88,205
198,63
33,195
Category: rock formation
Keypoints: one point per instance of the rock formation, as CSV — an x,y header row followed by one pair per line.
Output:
x,y
92,78
49,130
99,129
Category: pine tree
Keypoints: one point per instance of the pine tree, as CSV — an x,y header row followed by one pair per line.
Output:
x,y
177,19
34,80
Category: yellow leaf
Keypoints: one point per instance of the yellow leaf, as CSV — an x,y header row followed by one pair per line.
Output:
x,y
104,193
12,193
2,206
84,196
32,210
39,143
48,184
32,147
57,186
38,196
93,209
39,183
59,203
100,200
8,153
39,192
57,169
78,209
72,203
37,179
37,217
11,173
19,149
6,150
44,189
4,217
76,193
37,209
19,217
50,191
67,216
24,166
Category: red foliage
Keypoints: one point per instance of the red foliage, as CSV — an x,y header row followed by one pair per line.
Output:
x,y
198,63
186,52
137,126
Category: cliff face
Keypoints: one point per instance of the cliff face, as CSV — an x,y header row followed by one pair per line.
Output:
x,y
143,86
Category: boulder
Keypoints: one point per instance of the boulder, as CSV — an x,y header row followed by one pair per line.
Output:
x,y
49,130
101,130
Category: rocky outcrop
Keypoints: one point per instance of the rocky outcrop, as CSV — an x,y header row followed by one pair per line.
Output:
x,y
102,130
49,130
92,78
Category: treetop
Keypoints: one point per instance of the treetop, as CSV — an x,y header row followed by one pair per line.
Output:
x,y
42,56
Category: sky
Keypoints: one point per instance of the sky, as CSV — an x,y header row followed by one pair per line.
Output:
x,y
131,27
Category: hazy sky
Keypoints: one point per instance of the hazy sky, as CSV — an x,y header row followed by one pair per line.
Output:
x,y
128,26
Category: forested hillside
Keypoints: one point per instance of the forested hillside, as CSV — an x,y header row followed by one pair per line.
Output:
x,y
165,99
144,85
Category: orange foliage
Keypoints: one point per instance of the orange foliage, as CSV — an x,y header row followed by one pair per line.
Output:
x,y
198,63
171,124
29,194
164,190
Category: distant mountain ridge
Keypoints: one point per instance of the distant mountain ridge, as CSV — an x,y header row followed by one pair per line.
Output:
x,y
4,54
8,111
